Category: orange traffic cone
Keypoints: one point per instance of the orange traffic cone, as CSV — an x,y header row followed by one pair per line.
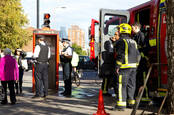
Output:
x,y
101,110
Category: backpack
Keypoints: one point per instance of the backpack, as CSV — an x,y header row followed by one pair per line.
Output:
x,y
75,59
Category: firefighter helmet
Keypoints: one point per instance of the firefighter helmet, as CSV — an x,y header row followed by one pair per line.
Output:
x,y
125,28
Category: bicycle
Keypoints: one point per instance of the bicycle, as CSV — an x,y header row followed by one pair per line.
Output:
x,y
75,77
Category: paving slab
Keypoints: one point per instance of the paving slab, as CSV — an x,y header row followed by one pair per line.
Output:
x,y
84,101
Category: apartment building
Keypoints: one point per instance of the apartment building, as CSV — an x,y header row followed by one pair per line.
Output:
x,y
76,35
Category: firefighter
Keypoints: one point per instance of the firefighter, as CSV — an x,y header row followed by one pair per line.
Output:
x,y
108,65
142,69
127,60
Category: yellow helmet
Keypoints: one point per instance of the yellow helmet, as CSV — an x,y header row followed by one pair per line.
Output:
x,y
125,28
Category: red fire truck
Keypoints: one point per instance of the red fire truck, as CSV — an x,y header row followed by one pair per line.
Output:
x,y
152,16
93,38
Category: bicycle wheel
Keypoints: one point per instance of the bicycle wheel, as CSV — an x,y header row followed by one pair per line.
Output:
x,y
77,79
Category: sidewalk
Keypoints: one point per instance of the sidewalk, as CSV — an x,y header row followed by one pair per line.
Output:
x,y
84,101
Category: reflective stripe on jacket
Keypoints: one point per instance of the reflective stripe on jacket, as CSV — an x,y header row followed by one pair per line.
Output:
x,y
128,55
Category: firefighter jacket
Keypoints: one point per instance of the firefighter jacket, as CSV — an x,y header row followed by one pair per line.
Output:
x,y
128,55
108,66
140,39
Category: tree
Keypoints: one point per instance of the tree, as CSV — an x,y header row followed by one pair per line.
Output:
x,y
78,49
170,49
12,22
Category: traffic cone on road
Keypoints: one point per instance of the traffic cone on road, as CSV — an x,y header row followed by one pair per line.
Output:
x,y
101,110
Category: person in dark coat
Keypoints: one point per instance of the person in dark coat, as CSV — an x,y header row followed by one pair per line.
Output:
x,y
127,60
19,56
142,69
109,64
41,55
66,56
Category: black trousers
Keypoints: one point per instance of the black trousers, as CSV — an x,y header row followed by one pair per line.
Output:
x,y
140,77
19,84
109,82
41,79
67,69
126,87
105,84
11,88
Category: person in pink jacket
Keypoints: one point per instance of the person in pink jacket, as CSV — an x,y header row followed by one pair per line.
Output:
x,y
9,74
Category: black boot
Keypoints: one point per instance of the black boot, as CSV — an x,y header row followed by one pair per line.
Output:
x,y
20,90
20,87
16,86
117,108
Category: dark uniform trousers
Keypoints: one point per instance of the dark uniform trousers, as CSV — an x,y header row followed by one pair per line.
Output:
x,y
140,77
126,87
11,88
67,78
105,84
21,73
41,78
109,82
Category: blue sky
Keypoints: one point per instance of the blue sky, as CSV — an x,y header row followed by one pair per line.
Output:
x,y
77,12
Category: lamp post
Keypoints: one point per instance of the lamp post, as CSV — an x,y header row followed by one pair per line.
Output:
x,y
37,13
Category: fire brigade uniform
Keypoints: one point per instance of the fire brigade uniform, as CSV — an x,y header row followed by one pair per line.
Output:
x,y
142,68
126,61
108,66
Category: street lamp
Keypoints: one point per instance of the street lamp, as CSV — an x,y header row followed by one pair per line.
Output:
x,y
37,13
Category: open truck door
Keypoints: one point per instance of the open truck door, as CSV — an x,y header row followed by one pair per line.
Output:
x,y
108,22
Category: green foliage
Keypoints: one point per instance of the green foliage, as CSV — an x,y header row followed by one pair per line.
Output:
x,y
78,49
12,22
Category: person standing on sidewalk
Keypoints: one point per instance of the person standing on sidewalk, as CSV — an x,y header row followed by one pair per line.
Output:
x,y
127,60
9,74
142,69
66,56
19,56
109,64
41,56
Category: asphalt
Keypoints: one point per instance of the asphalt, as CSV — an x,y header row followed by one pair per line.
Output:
x,y
84,100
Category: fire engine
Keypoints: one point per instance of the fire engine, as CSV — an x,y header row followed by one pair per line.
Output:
x,y
94,40
152,16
